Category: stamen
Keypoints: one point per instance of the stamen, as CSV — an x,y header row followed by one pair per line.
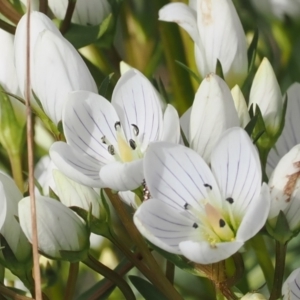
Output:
x,y
132,144
222,223
229,200
136,130
111,149
103,140
186,206
195,225
117,125
146,193
208,186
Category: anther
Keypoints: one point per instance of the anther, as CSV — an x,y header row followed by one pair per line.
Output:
x,y
208,186
111,150
117,124
229,200
136,130
222,223
132,144
195,225
186,206
103,140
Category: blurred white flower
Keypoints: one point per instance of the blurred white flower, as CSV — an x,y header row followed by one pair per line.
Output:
x,y
217,33
284,186
265,92
253,296
86,12
9,226
291,287
106,141
59,228
290,135
205,215
211,114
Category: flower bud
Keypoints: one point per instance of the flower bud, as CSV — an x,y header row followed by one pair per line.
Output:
x,y
72,193
91,12
284,186
240,105
59,229
265,92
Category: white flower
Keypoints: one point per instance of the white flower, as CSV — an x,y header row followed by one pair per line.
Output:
x,y
9,226
253,296
72,193
91,12
205,215
59,228
107,141
265,92
278,8
211,114
291,287
290,135
240,106
217,33
284,186
57,67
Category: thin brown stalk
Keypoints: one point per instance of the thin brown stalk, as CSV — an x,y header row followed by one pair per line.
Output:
x,y
7,27
36,268
9,11
11,294
68,16
43,6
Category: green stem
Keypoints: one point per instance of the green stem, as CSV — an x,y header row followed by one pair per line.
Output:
x,y
68,17
43,6
98,267
263,257
71,284
162,282
7,27
279,270
11,294
16,166
170,271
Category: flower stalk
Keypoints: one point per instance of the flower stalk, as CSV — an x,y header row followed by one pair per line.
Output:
x,y
71,283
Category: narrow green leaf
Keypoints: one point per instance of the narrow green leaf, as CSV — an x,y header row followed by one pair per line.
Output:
x,y
252,50
219,70
146,289
104,85
192,73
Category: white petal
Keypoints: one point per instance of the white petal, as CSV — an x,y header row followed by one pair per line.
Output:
x,y
38,23
204,253
256,215
57,70
240,105
87,118
163,225
137,102
185,123
75,165
171,125
130,199
72,193
236,166
291,287
176,175
212,113
265,92
58,227
290,135
223,38
284,182
122,176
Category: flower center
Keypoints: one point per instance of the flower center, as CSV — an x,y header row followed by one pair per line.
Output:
x,y
124,151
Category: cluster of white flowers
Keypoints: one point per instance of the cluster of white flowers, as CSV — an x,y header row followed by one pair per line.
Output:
x,y
204,194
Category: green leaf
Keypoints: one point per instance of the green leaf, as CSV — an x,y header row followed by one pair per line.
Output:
x,y
252,50
146,289
104,85
80,35
192,73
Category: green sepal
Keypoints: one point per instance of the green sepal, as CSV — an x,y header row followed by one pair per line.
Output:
x,y
12,133
191,72
104,85
179,261
53,195
80,35
146,289
281,232
74,256
20,269
252,50
97,226
219,70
